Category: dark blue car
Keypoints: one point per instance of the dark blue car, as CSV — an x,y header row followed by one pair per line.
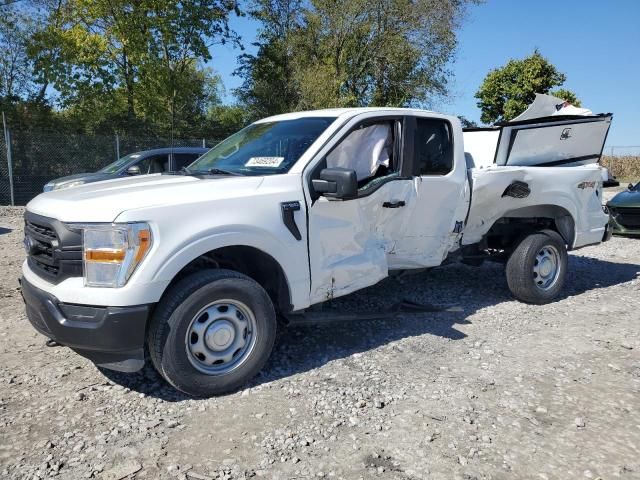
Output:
x,y
139,163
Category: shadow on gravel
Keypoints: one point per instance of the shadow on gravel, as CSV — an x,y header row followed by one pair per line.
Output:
x,y
587,273
303,348
146,381
5,230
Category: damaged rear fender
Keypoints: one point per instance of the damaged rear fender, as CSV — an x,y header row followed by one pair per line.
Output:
x,y
564,221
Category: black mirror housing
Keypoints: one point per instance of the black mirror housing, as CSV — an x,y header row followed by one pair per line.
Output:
x,y
630,186
336,182
134,170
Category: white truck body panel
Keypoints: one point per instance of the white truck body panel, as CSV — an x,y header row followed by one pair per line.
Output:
x,y
353,244
189,217
481,145
577,190
346,245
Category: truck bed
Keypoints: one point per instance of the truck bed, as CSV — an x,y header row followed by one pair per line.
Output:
x,y
548,141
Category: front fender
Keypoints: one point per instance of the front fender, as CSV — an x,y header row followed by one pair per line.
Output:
x,y
295,269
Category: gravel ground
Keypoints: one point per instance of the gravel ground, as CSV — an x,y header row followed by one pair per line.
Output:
x,y
497,390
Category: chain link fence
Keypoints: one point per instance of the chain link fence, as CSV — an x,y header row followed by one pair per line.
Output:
x,y
38,157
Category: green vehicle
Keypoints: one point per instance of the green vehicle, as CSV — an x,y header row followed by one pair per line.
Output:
x,y
625,211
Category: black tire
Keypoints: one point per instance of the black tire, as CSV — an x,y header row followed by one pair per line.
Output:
x,y
520,268
177,309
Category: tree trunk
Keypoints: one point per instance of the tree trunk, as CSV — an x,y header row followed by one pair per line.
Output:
x,y
40,97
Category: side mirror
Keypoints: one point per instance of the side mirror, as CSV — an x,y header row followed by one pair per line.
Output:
x,y
630,186
336,182
134,170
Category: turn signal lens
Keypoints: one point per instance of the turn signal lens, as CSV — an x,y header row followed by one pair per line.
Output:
x,y
144,244
106,255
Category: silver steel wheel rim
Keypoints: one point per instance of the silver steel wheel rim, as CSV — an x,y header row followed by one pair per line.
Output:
x,y
546,267
220,337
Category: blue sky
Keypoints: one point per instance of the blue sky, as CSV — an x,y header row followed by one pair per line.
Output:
x,y
595,43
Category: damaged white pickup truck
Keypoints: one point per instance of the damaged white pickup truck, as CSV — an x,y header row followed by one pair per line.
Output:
x,y
291,211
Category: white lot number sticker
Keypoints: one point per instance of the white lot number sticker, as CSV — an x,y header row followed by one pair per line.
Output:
x,y
269,162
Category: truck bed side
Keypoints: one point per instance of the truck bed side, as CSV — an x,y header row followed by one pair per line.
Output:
x,y
571,196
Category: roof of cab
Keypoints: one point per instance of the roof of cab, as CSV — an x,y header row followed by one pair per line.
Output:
x,y
338,112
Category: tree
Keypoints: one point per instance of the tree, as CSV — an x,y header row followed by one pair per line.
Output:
x,y
133,61
18,86
354,53
507,91
567,96
15,65
383,53
269,86
466,123
224,120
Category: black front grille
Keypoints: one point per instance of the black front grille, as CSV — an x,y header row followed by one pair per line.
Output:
x,y
54,252
41,230
40,241
628,217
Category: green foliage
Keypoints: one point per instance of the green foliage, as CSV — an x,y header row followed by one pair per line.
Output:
x,y
466,123
15,65
567,96
139,67
223,120
335,54
269,85
507,91
132,65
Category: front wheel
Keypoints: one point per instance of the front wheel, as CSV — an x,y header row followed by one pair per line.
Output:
x,y
537,268
212,332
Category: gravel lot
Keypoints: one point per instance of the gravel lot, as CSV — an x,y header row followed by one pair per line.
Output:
x,y
497,390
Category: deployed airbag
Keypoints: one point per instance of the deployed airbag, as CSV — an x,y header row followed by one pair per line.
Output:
x,y
363,150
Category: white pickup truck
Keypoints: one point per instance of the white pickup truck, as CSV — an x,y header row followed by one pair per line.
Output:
x,y
294,210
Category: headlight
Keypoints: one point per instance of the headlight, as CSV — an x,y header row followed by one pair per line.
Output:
x,y
112,252
75,183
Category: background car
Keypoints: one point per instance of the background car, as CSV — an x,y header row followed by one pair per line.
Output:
x,y
625,211
140,163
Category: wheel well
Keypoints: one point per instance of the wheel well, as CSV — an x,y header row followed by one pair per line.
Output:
x,y
250,261
506,232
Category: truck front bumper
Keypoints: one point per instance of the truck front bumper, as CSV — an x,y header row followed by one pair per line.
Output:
x,y
111,337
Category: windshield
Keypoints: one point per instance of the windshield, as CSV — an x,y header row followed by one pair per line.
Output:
x,y
264,148
118,164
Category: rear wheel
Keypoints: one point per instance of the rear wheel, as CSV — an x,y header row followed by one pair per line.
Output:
x,y
212,332
537,268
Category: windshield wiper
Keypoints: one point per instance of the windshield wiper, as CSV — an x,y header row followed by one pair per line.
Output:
x,y
219,171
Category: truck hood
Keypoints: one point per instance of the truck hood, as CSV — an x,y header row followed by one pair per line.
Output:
x,y
626,199
104,201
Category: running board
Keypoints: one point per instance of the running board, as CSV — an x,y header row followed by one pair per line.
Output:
x,y
403,308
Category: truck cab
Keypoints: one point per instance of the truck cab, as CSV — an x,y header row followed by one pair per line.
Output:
x,y
291,211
